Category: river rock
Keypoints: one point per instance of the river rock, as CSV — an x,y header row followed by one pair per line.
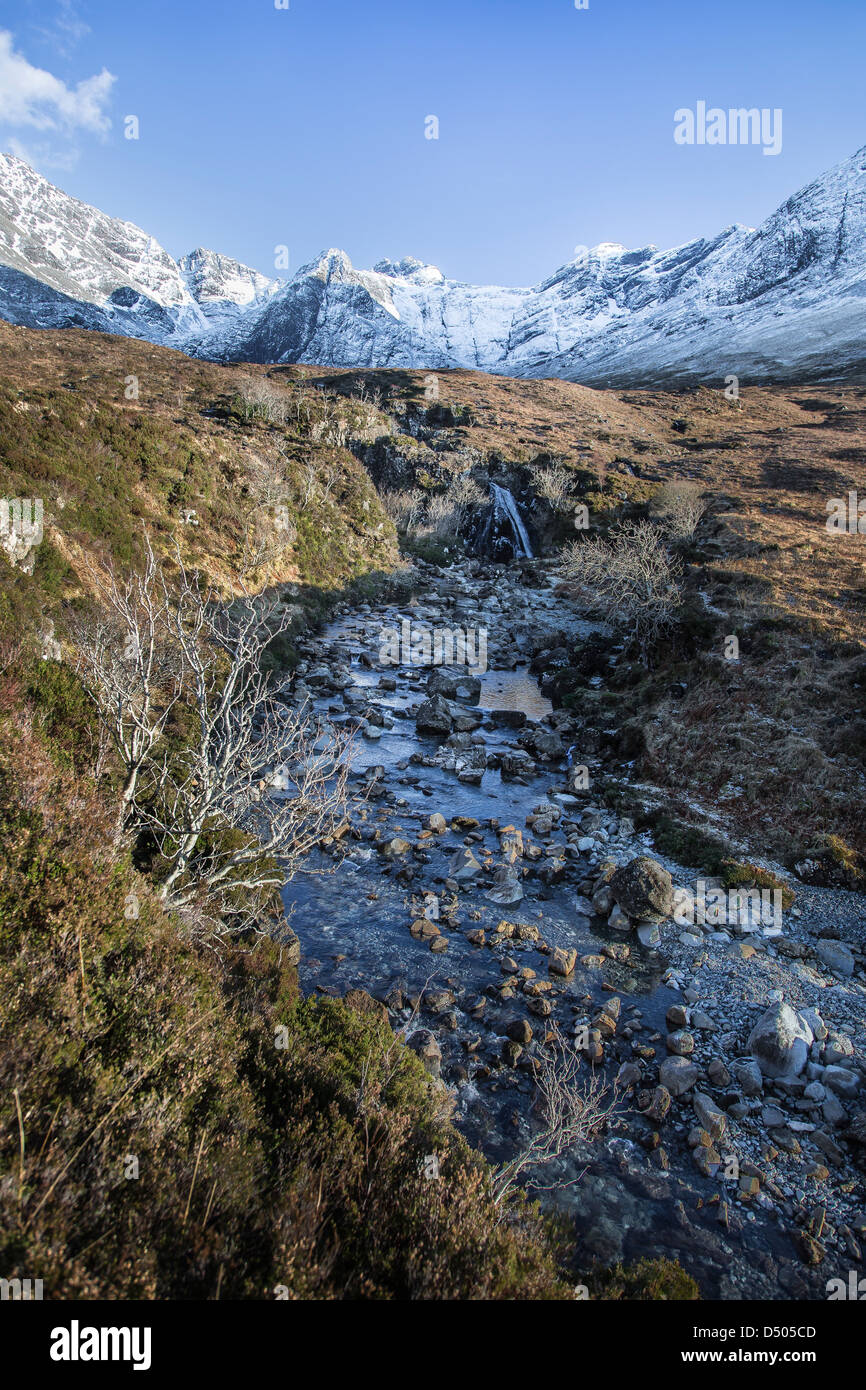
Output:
x,y
780,1042
423,1043
520,1030
648,934
643,888
546,745
657,1105
511,843
454,682
434,716
602,901
464,867
709,1116
837,1048
507,888
748,1077
843,1081
837,957
677,1075
396,848
290,946
561,962
424,930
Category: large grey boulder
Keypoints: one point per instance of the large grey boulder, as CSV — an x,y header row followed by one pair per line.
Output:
x,y
780,1042
643,889
506,887
678,1075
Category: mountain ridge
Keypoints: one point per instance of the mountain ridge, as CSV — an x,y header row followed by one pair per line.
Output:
x,y
781,302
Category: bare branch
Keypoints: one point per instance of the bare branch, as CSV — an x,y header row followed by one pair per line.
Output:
x,y
571,1113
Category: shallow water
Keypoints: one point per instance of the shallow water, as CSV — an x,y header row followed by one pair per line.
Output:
x,y
514,690
352,918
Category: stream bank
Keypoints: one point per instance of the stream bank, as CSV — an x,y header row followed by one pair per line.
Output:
x,y
472,873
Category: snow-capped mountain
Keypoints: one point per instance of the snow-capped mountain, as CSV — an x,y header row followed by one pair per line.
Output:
x,y
782,302
65,264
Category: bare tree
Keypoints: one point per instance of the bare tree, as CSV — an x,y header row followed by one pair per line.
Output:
x,y
571,1113
235,811
307,485
679,506
261,400
630,579
404,508
252,764
442,515
127,669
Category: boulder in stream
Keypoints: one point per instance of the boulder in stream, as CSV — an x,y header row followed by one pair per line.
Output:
x,y
643,889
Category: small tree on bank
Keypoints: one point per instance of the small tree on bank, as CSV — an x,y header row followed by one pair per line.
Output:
x,y
679,507
231,810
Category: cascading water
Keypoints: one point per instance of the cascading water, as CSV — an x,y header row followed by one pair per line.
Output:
x,y
502,533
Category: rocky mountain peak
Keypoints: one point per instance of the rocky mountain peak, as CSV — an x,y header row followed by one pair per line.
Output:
x,y
763,304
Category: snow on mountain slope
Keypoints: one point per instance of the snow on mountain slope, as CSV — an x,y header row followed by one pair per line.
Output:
x,y
63,262
212,279
782,302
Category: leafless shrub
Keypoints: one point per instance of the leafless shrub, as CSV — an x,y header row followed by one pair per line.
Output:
x,y
261,400
553,483
271,528
128,669
443,517
679,506
405,508
571,1111
316,482
630,579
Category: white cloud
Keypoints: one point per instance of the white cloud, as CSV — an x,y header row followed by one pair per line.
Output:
x,y
32,97
44,157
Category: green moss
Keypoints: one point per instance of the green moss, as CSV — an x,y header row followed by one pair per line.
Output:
x,y
736,874
688,845
65,712
647,1280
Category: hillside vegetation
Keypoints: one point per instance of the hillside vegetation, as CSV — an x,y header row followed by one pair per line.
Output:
x,y
176,1120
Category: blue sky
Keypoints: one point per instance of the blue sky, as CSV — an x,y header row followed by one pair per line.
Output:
x,y
306,127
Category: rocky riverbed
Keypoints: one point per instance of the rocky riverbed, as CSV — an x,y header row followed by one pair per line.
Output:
x,y
484,891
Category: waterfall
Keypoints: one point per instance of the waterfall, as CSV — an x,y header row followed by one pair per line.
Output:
x,y
505,506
